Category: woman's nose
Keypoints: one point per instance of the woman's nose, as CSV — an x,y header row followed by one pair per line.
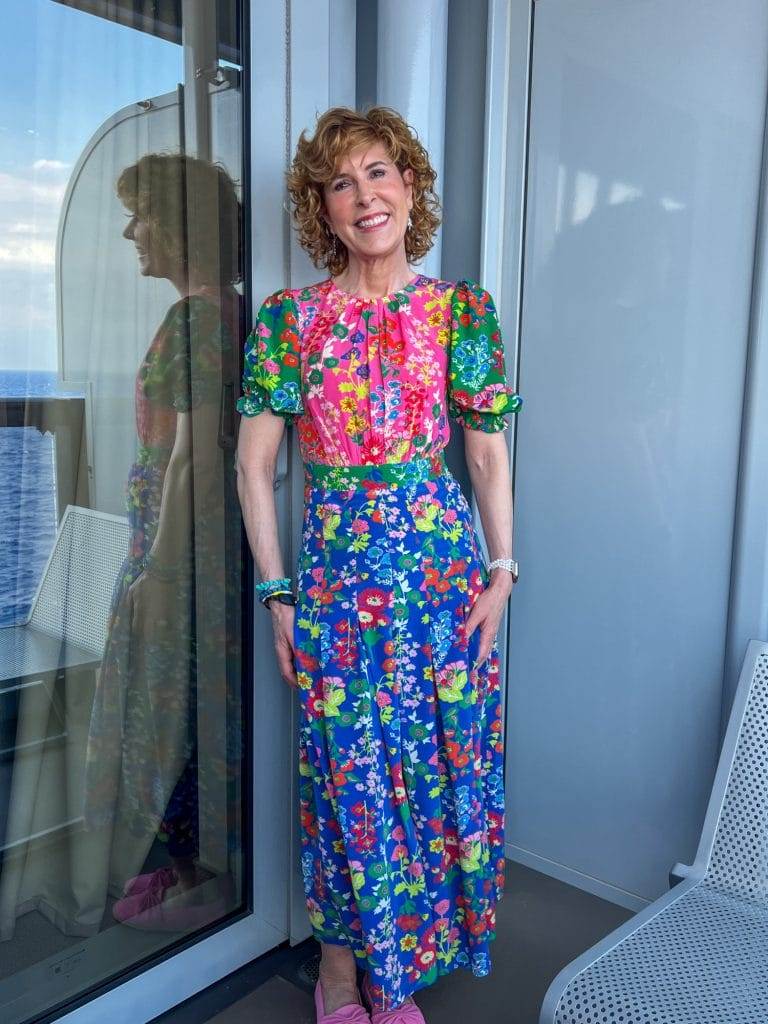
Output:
x,y
128,232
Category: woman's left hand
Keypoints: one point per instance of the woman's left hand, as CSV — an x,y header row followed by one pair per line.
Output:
x,y
486,613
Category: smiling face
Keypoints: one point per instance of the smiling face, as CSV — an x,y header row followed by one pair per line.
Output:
x,y
152,259
367,203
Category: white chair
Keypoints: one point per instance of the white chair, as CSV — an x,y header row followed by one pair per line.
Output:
x,y
67,623
698,954
48,667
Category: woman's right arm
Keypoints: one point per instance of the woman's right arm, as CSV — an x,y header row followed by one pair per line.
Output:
x,y
257,447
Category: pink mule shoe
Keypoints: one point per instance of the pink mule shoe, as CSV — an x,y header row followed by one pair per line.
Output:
x,y
351,1013
153,910
406,1013
161,878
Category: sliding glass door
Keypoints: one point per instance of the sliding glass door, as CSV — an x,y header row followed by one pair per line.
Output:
x,y
125,775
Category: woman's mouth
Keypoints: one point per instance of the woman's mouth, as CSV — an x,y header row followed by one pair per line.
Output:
x,y
372,222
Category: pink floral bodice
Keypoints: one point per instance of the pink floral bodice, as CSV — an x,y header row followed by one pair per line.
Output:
x,y
376,380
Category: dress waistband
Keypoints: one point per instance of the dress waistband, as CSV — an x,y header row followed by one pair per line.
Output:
x,y
391,474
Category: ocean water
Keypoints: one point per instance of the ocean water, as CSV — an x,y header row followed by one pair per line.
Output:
x,y
27,498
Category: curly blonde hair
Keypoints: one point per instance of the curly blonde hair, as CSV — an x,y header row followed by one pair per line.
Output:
x,y
337,132
192,210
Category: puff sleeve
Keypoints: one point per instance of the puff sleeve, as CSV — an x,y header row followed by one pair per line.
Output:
x,y
478,394
272,365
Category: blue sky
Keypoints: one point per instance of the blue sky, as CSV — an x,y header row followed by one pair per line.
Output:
x,y
64,73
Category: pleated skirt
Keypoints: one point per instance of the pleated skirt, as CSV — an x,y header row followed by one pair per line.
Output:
x,y
401,775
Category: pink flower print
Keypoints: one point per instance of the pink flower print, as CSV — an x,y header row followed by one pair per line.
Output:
x,y
383,698
271,366
442,907
360,525
398,783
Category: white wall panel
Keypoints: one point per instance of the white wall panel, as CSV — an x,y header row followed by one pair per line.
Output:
x,y
645,155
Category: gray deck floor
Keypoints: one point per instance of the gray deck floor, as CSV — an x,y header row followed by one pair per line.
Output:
x,y
542,924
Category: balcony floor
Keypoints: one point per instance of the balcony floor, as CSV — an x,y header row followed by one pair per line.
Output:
x,y
542,924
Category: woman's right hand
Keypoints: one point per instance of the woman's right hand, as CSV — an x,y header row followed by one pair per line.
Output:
x,y
283,616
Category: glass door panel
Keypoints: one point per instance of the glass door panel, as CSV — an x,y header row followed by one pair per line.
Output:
x,y
122,315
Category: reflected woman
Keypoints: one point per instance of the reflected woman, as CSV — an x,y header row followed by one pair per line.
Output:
x,y
143,780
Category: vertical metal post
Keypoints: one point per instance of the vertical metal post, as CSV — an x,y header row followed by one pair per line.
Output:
x,y
748,605
198,33
412,60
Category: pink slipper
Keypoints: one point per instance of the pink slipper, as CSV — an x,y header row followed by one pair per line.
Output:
x,y
351,1013
161,878
152,911
405,1013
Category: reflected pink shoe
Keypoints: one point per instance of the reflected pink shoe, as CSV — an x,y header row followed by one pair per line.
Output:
x,y
351,1013
406,1013
152,910
161,878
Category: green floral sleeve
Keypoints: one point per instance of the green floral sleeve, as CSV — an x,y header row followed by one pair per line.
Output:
x,y
477,392
184,368
272,370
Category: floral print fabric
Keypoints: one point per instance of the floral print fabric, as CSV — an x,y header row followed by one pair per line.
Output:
x,y
141,768
400,733
374,381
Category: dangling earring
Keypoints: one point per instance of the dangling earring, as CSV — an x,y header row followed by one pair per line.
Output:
x,y
334,250
410,222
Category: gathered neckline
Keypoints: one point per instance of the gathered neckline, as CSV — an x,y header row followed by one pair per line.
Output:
x,y
377,298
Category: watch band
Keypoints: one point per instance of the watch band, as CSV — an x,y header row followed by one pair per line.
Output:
x,y
282,596
506,563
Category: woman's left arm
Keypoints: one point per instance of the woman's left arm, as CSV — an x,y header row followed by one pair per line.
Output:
x,y
487,460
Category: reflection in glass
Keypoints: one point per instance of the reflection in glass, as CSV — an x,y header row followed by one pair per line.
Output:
x,y
120,324
142,773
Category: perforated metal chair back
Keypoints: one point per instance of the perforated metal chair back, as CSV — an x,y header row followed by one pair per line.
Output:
x,y
73,598
739,858
697,954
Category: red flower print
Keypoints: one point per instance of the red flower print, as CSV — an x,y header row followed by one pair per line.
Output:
x,y
306,661
408,922
456,755
372,606
374,448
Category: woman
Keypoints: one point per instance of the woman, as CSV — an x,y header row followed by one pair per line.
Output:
x,y
392,643
142,776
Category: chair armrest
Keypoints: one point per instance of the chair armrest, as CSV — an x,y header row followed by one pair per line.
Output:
x,y
678,873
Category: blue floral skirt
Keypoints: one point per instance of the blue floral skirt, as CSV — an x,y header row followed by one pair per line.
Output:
x,y
400,735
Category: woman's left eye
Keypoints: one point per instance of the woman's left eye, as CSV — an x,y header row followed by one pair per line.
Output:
x,y
378,172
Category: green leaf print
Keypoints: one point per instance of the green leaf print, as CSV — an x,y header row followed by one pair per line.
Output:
x,y
333,700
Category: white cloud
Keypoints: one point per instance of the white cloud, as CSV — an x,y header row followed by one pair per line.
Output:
x,y
14,189
26,253
50,165
23,228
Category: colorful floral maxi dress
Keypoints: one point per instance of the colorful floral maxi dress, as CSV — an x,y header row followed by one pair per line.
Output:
x,y
401,750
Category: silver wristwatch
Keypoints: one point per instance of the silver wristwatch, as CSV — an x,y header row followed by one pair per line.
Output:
x,y
505,563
